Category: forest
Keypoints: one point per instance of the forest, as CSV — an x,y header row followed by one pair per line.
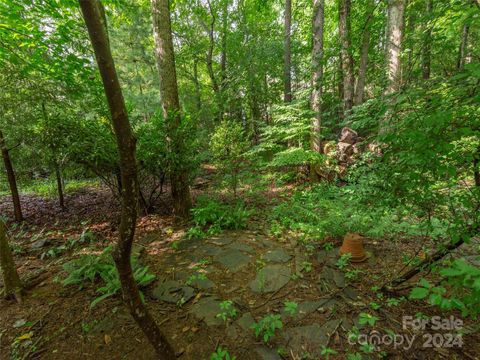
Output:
x,y
240,179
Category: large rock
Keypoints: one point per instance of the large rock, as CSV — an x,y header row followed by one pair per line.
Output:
x,y
271,278
348,136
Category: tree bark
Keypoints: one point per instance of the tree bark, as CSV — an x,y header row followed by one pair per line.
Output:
x,y
95,20
287,92
12,286
346,53
12,181
223,55
426,53
162,31
362,69
317,74
396,10
462,52
58,175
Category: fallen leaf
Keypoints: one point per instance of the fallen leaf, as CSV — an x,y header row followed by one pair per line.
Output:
x,y
107,339
186,328
25,336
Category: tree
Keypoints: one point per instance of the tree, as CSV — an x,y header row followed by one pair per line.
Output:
x,y
12,286
317,74
427,44
394,44
12,181
344,29
170,104
362,68
287,62
95,20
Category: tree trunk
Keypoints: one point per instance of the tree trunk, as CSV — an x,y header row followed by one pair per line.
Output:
x,y
12,286
426,53
12,182
170,103
287,92
317,74
58,175
396,10
346,53
223,55
462,52
362,70
198,96
95,20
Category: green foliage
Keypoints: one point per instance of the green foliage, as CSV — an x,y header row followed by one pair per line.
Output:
x,y
464,295
366,318
228,311
267,326
326,351
290,307
221,354
210,217
89,268
343,261
228,146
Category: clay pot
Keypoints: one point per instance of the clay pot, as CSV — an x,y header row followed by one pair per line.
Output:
x,y
353,244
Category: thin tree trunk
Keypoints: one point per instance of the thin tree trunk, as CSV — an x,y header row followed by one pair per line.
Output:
x,y
287,92
396,10
426,58
346,54
12,286
12,181
462,52
317,74
223,55
198,96
58,175
362,69
95,20
162,31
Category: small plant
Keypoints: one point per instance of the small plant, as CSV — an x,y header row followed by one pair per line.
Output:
x,y
353,274
344,260
356,356
393,302
366,318
328,246
221,354
306,266
266,327
375,306
326,351
229,312
291,307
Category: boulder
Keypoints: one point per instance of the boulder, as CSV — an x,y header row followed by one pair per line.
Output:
x,y
348,136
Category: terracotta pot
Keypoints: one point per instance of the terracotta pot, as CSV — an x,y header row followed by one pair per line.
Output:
x,y
353,244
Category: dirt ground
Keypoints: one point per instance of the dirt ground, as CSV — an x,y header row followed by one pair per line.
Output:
x,y
57,322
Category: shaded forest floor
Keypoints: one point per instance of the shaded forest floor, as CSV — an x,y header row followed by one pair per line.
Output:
x,y
251,268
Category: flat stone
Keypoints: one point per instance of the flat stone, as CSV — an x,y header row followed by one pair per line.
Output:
x,y
350,293
304,309
40,244
242,247
332,276
276,255
207,309
203,284
271,278
210,250
266,353
172,291
221,241
327,257
310,338
246,321
233,260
